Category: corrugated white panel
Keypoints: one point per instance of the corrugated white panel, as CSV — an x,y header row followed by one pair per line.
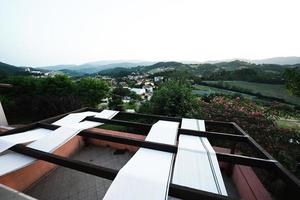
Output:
x,y
4,145
107,114
163,132
24,137
147,174
52,140
27,136
13,161
196,164
74,118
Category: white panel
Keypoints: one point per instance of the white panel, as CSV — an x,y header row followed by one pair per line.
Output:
x,y
194,177
163,132
196,164
14,161
86,125
147,174
74,118
51,141
190,143
107,114
4,145
24,137
27,136
193,124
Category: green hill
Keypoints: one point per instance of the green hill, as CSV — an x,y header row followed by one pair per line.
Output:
x,y
6,69
233,70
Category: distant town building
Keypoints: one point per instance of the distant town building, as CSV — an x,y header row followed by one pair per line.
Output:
x,y
158,78
138,91
126,99
130,110
148,88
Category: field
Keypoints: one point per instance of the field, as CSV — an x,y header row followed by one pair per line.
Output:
x,y
289,123
204,90
270,90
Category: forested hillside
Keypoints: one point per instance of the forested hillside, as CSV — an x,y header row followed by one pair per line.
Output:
x,y
234,70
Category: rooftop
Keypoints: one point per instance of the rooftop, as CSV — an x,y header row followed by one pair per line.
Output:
x,y
110,163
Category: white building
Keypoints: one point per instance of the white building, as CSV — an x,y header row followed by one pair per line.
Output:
x,y
158,78
148,88
138,91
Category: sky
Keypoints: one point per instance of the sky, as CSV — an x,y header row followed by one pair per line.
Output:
x,y
51,32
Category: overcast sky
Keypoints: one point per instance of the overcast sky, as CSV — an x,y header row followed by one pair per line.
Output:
x,y
50,32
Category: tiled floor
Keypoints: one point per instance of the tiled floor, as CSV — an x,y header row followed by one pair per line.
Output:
x,y
63,183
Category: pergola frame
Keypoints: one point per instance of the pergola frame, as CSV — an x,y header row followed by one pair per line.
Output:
x,y
266,161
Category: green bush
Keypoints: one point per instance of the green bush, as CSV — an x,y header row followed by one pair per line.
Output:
x,y
34,98
91,91
292,77
173,98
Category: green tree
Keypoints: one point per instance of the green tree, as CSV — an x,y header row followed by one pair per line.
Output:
x,y
92,90
34,98
173,98
117,95
59,85
292,77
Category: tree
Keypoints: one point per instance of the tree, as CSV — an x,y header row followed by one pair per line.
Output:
x,y
173,98
92,90
292,77
117,95
58,85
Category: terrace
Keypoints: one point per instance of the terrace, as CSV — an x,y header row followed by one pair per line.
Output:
x,y
99,156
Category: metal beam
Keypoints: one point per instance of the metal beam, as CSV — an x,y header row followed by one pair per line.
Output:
x,y
66,162
246,160
20,129
136,125
285,174
183,192
230,158
146,128
161,117
214,135
266,162
134,142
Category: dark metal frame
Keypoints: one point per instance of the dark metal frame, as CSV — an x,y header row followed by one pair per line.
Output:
x,y
266,162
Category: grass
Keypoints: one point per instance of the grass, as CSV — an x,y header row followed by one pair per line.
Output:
x,y
206,90
290,124
270,90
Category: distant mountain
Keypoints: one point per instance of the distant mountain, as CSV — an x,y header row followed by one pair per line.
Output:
x,y
278,60
94,67
70,72
234,68
291,60
58,67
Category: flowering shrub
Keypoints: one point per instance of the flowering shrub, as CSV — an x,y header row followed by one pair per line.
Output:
x,y
257,121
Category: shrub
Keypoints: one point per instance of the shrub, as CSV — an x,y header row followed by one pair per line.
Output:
x,y
173,98
33,98
91,91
